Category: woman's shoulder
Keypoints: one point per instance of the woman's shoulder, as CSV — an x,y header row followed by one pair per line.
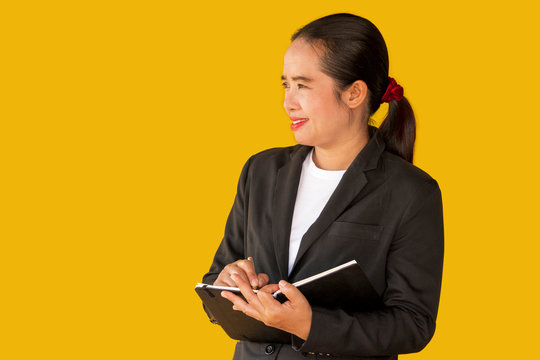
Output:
x,y
405,176
268,162
278,152
277,155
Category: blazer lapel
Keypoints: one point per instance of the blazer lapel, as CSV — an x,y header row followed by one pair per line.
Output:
x,y
285,191
352,182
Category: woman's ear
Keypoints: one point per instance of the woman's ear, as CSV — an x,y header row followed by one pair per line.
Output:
x,y
355,95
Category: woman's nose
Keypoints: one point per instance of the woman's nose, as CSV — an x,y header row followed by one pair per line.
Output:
x,y
290,103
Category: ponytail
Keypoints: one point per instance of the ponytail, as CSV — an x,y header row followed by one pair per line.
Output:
x,y
399,129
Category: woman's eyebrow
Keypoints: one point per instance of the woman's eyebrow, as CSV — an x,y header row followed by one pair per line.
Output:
x,y
298,78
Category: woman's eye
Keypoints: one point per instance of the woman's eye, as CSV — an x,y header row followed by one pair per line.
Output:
x,y
286,86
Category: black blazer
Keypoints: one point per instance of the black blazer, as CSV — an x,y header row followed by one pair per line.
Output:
x,y
385,213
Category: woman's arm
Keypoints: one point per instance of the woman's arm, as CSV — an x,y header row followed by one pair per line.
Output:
x,y
413,275
231,247
230,256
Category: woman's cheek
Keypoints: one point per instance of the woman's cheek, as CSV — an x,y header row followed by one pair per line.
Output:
x,y
313,104
318,104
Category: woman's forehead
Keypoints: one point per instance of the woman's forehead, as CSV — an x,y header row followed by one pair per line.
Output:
x,y
301,61
300,49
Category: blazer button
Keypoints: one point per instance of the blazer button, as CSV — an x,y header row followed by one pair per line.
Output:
x,y
269,349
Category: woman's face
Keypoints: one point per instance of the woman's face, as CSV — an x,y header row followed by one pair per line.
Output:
x,y
318,118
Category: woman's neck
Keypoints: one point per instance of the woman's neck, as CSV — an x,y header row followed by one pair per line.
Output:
x,y
340,156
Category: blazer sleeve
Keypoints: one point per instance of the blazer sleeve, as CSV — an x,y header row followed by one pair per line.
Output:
x,y
406,323
231,247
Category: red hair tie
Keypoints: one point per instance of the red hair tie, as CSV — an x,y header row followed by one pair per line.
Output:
x,y
393,92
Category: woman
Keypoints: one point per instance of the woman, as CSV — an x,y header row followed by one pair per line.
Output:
x,y
347,191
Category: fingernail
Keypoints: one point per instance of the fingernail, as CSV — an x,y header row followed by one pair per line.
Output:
x,y
223,294
282,284
254,283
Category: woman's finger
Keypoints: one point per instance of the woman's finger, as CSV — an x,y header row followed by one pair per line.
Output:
x,y
238,302
271,288
249,271
251,308
244,269
249,295
234,268
224,280
224,277
268,301
263,280
240,305
245,288
292,293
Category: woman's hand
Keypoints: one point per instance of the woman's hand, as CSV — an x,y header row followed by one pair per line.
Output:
x,y
245,270
293,316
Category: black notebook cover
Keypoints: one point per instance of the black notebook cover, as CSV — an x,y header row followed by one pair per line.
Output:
x,y
345,287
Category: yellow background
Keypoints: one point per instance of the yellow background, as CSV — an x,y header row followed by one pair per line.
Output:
x,y
124,127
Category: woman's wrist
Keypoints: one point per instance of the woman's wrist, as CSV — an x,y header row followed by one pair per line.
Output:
x,y
305,327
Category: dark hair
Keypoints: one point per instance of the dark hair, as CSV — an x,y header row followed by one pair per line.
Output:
x,y
354,49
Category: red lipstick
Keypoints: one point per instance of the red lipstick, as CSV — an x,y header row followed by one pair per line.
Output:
x,y
297,122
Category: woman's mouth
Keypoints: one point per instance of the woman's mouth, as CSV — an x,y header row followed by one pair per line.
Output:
x,y
297,122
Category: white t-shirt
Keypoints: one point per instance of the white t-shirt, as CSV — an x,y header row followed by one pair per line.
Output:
x,y
315,188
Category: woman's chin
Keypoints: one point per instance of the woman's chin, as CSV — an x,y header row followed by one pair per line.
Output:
x,y
302,139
